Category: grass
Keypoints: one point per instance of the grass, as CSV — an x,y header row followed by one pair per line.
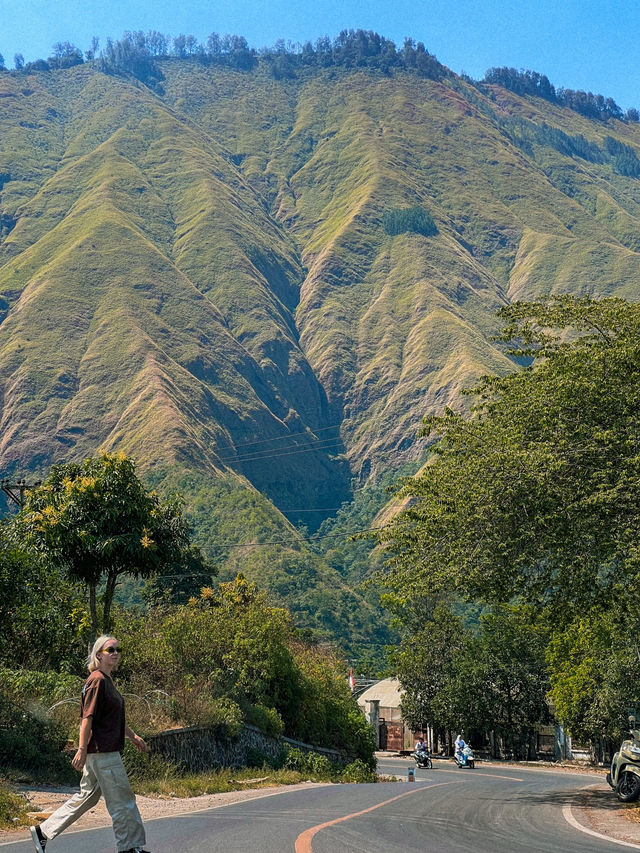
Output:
x,y
217,782
154,777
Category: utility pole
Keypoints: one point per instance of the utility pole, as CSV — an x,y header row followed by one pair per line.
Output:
x,y
15,491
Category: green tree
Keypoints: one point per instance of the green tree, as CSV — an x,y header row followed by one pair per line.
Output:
x,y
507,664
427,664
97,522
488,677
533,498
594,666
535,495
43,620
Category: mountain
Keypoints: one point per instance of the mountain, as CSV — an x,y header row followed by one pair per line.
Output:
x,y
201,274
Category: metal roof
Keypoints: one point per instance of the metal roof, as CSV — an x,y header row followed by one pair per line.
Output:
x,y
386,691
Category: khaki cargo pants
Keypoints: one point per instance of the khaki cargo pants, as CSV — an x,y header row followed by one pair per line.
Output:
x,y
104,774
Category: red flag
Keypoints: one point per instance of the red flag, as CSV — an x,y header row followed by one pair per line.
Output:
x,y
352,681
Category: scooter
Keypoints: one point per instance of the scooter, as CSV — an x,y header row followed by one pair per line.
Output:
x,y
464,757
423,758
624,777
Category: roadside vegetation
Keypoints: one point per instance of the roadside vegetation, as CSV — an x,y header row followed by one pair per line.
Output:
x,y
196,652
157,777
14,808
515,568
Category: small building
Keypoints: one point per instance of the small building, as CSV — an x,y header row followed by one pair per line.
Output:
x,y
381,706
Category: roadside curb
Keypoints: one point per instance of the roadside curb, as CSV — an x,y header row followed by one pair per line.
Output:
x,y
598,812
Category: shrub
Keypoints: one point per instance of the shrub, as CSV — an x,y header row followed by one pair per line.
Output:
x,y
358,771
46,688
409,219
318,764
294,759
13,809
29,744
308,762
266,719
143,766
258,758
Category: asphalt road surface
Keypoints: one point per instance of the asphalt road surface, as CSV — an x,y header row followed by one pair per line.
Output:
x,y
491,809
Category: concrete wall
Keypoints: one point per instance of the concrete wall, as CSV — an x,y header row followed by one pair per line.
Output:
x,y
208,748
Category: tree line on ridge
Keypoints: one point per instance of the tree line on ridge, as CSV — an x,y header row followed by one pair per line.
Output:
x,y
136,53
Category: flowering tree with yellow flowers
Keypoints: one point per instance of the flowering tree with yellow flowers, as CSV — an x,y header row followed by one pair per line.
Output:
x,y
96,521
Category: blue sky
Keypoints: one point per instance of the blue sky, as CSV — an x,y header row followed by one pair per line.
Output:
x,y
580,44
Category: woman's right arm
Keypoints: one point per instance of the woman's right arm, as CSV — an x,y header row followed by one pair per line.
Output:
x,y
86,727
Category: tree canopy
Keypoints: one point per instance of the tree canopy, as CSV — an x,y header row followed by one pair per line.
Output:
x,y
42,614
489,678
535,495
416,219
96,521
533,498
532,83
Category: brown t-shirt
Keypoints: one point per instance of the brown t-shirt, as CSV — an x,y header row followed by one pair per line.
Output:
x,y
102,702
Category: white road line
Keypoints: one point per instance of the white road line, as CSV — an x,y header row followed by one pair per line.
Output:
x,y
570,819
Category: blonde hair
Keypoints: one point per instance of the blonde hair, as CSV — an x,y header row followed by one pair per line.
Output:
x,y
93,661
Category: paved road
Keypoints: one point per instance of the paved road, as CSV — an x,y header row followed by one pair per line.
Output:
x,y
490,809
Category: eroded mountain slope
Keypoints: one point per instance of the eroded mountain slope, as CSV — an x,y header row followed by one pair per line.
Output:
x,y
203,279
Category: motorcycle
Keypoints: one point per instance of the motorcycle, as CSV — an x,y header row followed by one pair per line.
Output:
x,y
422,758
464,757
624,776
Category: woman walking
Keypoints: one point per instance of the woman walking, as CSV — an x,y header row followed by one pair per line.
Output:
x,y
102,733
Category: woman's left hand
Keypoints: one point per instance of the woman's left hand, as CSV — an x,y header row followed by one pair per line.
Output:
x,y
139,743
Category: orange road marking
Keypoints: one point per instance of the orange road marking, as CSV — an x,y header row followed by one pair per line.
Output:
x,y
303,841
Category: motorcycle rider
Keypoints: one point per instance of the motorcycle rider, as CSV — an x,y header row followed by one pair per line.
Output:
x,y
459,746
421,754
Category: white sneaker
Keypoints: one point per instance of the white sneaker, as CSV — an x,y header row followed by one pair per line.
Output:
x,y
39,841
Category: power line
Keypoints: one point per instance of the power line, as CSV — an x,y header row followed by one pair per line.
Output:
x,y
325,444
275,452
208,575
330,508
283,542
322,509
287,436
297,540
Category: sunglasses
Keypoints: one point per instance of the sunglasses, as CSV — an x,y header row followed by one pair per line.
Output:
x,y
112,650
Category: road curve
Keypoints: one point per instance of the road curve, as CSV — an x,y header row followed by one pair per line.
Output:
x,y
490,809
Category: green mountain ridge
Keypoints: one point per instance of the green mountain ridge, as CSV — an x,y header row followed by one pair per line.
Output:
x,y
202,279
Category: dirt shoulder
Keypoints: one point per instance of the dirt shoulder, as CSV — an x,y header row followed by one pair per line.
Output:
x,y
598,809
